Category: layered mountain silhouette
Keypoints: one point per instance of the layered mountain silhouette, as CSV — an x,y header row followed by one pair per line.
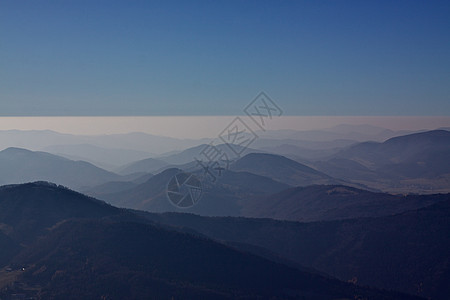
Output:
x,y
83,248
268,227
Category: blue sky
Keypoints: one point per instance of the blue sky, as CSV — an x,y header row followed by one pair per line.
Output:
x,y
114,58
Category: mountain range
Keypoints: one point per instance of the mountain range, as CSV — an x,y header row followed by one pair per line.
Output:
x,y
115,150
289,218
72,246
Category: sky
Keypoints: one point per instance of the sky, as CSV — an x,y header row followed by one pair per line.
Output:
x,y
211,58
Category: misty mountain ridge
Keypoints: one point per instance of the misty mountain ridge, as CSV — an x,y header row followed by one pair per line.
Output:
x,y
102,150
394,165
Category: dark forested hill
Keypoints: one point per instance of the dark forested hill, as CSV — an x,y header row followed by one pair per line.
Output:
x,y
57,243
407,252
27,210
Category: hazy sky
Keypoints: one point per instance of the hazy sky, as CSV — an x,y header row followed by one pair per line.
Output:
x,y
157,58
208,126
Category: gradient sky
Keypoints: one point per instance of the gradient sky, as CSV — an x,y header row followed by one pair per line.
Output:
x,y
156,58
